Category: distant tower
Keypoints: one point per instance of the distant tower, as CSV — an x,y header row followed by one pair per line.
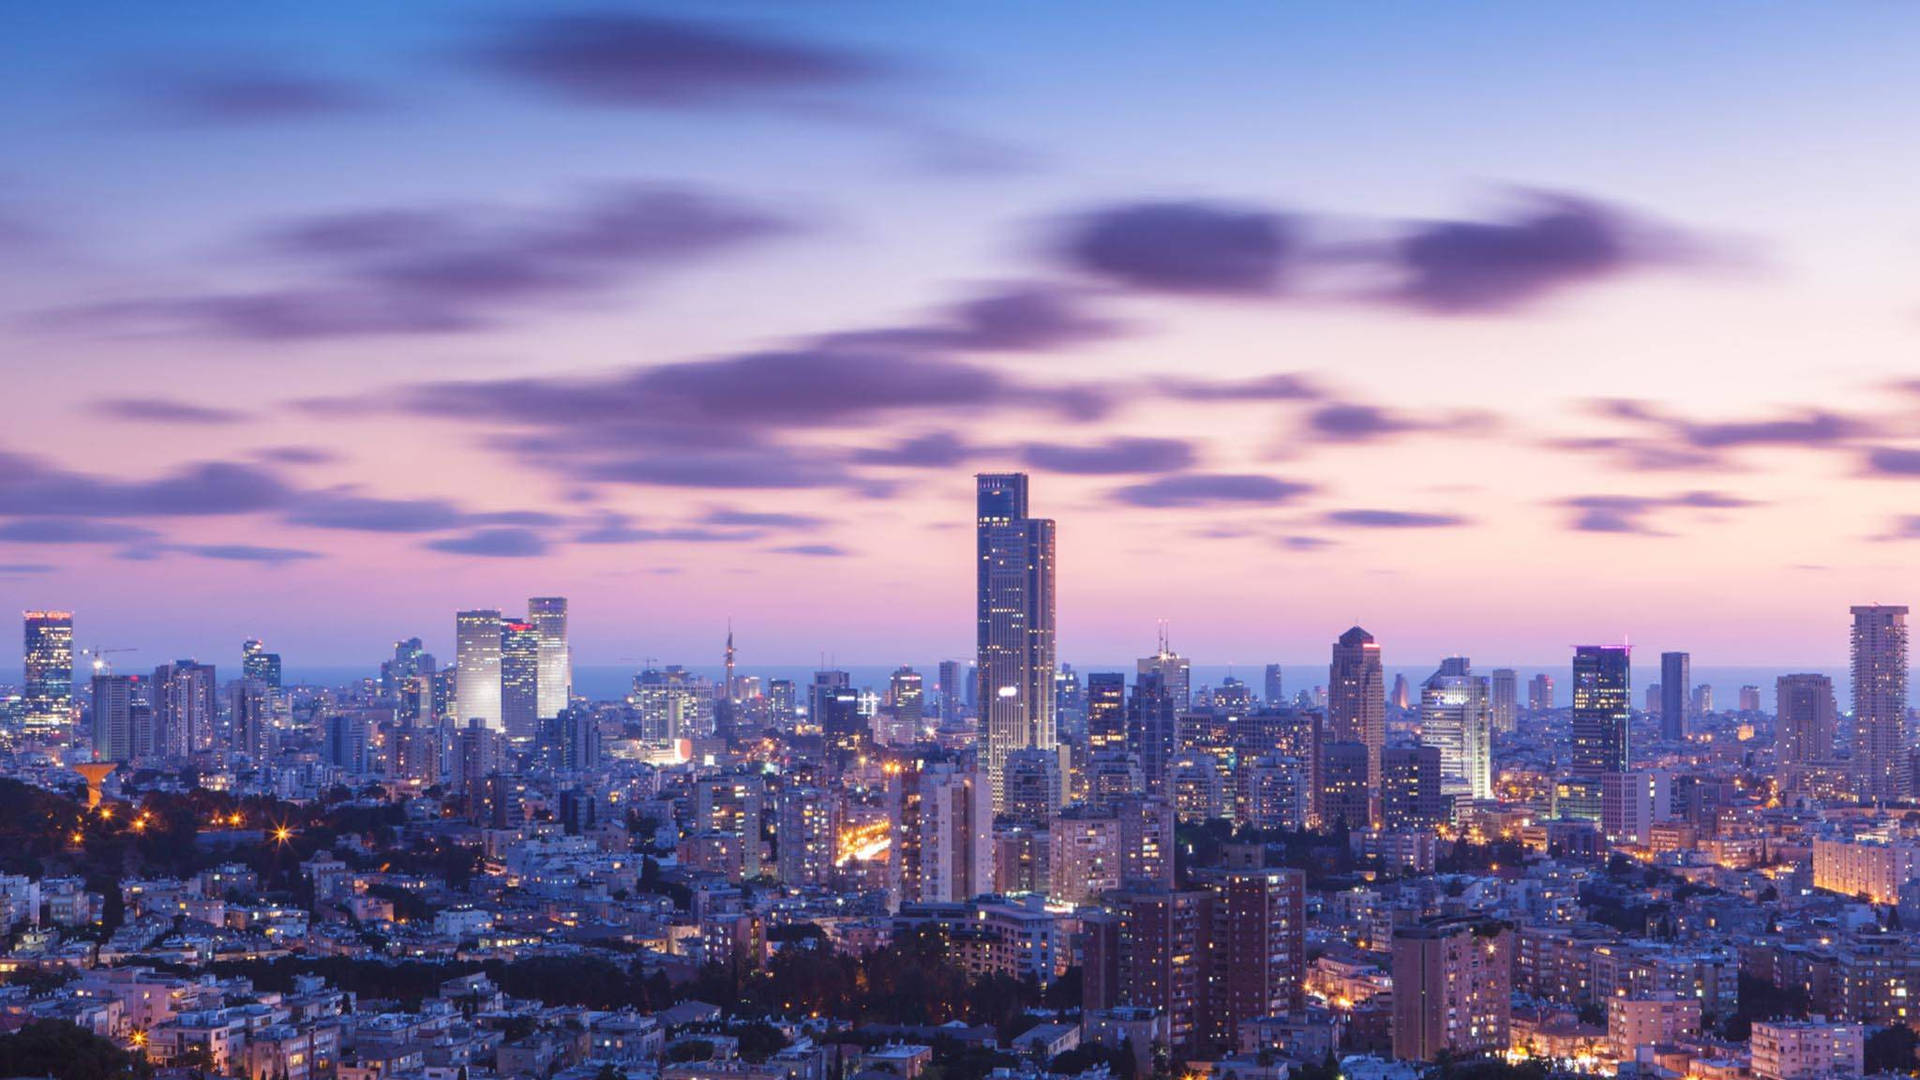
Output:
x,y
548,614
519,680
1805,718
1601,707
1273,693
258,664
477,667
1455,718
1357,699
1880,702
1015,623
47,663
1506,699
1174,670
1676,674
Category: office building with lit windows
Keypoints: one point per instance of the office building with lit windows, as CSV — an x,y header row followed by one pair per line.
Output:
x,y
1015,623
47,663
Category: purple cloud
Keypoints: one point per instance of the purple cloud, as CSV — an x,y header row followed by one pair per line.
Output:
x,y
934,450
1210,489
1351,422
22,569
56,530
1392,519
1893,461
1280,387
244,553
827,551
1628,513
1461,267
1305,543
166,411
761,519
1114,456
410,271
512,543
1812,428
624,59
29,488
252,96
1194,248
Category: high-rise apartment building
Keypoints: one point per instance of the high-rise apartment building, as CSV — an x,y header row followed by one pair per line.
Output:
x,y
1152,728
1601,708
1454,717
1343,785
1805,718
953,694
112,716
943,834
1452,987
805,832
1357,700
1505,700
906,694
477,667
1676,675
1410,795
1256,949
1880,702
47,663
548,614
250,712
185,708
519,679
1106,711
1540,693
1015,623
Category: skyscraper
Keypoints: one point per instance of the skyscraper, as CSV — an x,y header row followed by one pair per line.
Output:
x,y
48,665
1676,675
1805,718
1452,987
1273,691
1454,717
1014,615
953,696
1410,798
1174,670
477,667
112,717
1540,693
250,710
1601,677
258,664
1343,784
548,614
1506,699
519,679
1880,702
1106,711
184,708
1151,728
908,693
1357,700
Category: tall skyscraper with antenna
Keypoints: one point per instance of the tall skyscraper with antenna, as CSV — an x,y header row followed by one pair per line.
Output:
x,y
1174,670
1014,609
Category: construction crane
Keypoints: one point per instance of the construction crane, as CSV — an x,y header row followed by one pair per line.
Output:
x,y
102,665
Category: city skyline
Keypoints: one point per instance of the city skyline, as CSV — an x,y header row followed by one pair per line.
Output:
x,y
1364,393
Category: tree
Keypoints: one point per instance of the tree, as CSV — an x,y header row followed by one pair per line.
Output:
x,y
63,1051
1890,1050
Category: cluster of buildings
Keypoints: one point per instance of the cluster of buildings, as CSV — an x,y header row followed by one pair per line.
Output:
x,y
1241,882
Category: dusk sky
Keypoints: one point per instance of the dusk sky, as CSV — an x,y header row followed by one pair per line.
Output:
x,y
1491,327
